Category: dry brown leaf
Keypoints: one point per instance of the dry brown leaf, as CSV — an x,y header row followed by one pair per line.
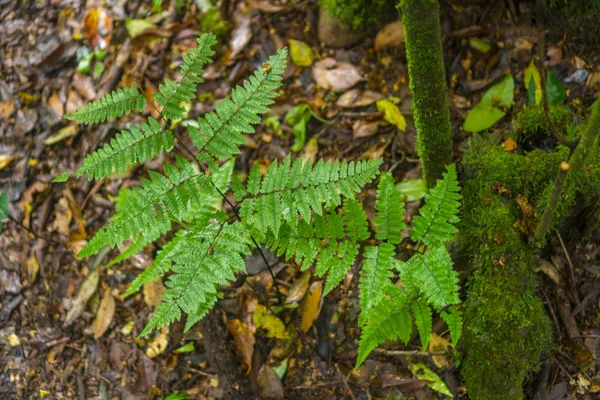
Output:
x,y
265,5
269,384
243,338
526,225
97,27
438,343
84,86
392,35
365,128
63,216
336,76
241,34
358,98
298,289
105,315
7,108
153,292
56,105
33,268
74,102
88,288
311,305
310,150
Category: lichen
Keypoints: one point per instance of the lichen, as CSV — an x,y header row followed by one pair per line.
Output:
x,y
423,42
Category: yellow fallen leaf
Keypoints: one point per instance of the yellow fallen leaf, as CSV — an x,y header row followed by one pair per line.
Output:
x,y
391,114
438,343
61,135
269,322
243,338
13,340
5,160
311,305
301,54
159,344
32,268
509,145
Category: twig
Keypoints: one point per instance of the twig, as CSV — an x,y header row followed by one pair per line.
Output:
x,y
409,353
571,268
345,382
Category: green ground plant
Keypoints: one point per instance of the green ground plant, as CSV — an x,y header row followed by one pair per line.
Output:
x,y
305,212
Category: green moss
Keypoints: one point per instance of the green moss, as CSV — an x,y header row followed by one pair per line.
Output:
x,y
360,14
531,121
423,42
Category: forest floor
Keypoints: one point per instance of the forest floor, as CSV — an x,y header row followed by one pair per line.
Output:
x,y
54,345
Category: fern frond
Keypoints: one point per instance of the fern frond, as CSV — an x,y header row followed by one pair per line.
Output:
x,y
423,320
160,198
110,106
219,133
432,275
453,318
173,96
288,190
126,149
211,260
434,224
374,275
355,219
389,207
389,320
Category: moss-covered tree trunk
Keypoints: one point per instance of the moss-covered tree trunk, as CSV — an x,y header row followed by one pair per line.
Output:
x,y
423,40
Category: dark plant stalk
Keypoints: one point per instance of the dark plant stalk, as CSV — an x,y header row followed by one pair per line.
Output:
x,y
423,40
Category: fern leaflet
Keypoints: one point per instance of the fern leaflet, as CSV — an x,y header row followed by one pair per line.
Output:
x,y
112,105
374,275
172,96
434,224
389,220
423,321
126,149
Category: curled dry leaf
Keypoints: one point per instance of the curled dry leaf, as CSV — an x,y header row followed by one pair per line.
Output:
x,y
436,344
358,98
97,27
392,35
336,76
311,305
105,315
5,160
365,128
244,339
241,34
159,344
88,288
298,289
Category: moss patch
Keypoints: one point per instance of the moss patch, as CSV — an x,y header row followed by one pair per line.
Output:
x,y
360,14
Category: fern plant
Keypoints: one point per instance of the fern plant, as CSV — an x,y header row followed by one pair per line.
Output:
x,y
309,213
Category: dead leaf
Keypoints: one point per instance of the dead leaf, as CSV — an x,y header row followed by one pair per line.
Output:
x,y
56,105
579,63
269,384
311,305
33,268
365,128
358,98
392,35
241,34
549,269
265,5
301,53
310,150
63,216
526,225
84,85
153,292
299,288
5,160
97,27
62,134
336,76
105,315
160,343
243,338
401,383
13,340
7,108
509,145
264,319
74,102
436,344
88,288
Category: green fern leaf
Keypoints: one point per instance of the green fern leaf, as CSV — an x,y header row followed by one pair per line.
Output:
x,y
389,320
423,320
374,275
220,133
453,319
434,224
209,261
355,219
173,96
160,198
432,274
288,190
113,105
126,149
389,217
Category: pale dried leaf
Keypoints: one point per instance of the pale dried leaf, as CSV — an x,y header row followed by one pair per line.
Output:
x,y
337,76
358,98
105,315
392,35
